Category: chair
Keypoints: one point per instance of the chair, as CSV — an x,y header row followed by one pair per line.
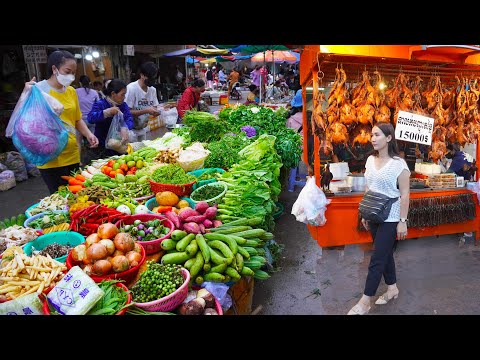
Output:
x,y
292,179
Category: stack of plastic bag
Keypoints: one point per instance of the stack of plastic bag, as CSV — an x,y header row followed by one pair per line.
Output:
x,y
311,204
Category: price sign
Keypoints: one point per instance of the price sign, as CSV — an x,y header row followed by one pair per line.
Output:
x,y
129,50
35,54
414,128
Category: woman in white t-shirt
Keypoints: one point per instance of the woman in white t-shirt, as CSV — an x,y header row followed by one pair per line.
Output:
x,y
384,170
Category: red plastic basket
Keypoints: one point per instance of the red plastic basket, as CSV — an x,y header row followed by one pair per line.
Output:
x,y
151,246
127,275
180,190
171,301
46,309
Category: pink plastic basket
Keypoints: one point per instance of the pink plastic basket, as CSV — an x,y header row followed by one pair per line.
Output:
x,y
152,246
171,301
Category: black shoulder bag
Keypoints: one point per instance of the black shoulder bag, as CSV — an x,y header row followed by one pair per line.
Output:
x,y
375,207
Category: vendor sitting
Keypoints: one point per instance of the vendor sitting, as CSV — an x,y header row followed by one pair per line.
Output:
x,y
462,163
252,96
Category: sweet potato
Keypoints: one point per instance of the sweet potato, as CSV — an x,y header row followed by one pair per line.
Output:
x,y
210,213
217,223
188,213
191,228
201,207
198,219
207,223
170,215
202,228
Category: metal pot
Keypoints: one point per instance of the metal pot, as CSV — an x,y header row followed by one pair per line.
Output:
x,y
357,182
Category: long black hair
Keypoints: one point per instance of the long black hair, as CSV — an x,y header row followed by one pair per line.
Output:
x,y
388,129
84,80
58,58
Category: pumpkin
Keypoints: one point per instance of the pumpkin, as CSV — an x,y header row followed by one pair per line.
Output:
x,y
182,203
166,198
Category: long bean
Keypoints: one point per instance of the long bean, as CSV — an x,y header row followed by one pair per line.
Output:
x,y
133,310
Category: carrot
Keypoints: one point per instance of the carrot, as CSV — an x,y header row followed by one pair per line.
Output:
x,y
74,181
80,177
75,188
66,177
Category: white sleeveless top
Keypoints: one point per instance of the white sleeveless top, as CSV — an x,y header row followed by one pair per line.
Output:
x,y
384,181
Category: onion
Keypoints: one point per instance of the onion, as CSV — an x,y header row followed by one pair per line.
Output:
x,y
124,242
92,239
79,252
117,253
107,231
102,267
109,245
138,248
96,252
140,226
88,269
120,263
133,256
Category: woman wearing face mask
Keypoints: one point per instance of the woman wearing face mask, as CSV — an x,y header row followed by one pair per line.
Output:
x,y
61,68
102,115
142,99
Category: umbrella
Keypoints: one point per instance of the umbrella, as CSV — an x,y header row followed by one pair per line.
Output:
x,y
274,56
252,49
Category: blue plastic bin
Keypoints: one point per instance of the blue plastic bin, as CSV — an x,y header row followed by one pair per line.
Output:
x,y
199,172
150,204
70,238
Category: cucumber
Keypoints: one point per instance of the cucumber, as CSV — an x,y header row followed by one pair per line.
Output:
x,y
206,267
240,263
13,221
216,258
247,234
175,258
232,244
189,263
178,235
243,252
202,244
251,243
232,273
192,248
253,264
231,230
197,266
215,244
238,239
215,277
21,219
258,258
218,269
247,271
168,244
199,280
260,274
182,244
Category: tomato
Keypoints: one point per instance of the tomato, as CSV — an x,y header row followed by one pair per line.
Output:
x,y
108,169
133,169
110,163
112,173
124,167
120,171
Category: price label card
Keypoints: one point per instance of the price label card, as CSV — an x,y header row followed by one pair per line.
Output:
x,y
414,128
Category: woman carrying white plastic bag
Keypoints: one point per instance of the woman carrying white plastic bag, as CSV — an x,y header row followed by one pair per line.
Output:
x,y
311,204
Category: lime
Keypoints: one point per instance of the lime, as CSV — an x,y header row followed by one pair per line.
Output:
x,y
131,163
139,164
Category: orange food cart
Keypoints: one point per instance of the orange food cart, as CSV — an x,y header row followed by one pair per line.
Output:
x,y
317,68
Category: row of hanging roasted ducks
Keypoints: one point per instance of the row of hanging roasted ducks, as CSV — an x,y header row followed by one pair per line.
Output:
x,y
353,111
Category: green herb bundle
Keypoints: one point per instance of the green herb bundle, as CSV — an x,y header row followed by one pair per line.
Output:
x,y
172,174
204,127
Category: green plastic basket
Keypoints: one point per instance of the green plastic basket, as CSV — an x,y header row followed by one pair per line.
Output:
x,y
212,200
70,238
200,172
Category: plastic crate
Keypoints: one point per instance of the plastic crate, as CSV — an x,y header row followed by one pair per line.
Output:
x,y
152,246
70,238
199,172
171,301
180,190
213,200
127,275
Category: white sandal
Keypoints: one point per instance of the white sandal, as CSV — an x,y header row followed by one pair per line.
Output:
x,y
385,298
359,310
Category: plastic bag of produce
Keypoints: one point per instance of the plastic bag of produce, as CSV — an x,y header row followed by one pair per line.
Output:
x,y
311,204
7,180
26,305
117,137
169,116
14,162
38,133
75,294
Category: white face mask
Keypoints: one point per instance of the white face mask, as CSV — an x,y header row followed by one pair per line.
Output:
x,y
65,80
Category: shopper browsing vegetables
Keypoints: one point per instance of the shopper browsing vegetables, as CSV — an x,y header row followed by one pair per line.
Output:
x,y
102,114
61,68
